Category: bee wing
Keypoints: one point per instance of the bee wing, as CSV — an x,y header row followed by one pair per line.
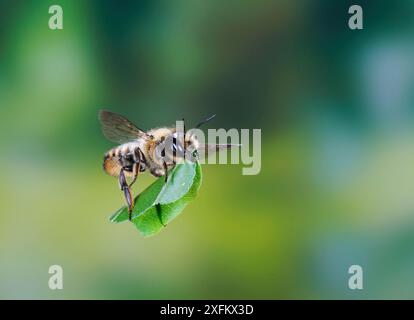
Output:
x,y
119,129
206,150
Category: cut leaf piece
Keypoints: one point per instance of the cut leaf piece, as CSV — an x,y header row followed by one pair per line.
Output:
x,y
161,202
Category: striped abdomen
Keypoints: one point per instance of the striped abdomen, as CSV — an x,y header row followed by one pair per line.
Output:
x,y
123,156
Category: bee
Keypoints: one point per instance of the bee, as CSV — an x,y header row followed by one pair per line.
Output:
x,y
139,151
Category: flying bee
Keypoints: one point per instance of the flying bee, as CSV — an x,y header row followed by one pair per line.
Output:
x,y
156,150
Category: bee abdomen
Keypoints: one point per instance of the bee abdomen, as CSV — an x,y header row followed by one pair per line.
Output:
x,y
111,165
122,157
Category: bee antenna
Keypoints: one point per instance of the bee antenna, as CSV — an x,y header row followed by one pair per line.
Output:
x,y
205,121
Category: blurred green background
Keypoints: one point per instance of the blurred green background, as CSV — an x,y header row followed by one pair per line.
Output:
x,y
336,111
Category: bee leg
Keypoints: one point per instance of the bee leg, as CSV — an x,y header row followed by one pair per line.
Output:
x,y
127,192
135,171
166,172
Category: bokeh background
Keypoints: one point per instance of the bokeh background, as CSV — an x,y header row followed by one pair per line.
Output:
x,y
336,111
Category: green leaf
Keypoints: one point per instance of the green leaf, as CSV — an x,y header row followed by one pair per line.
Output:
x,y
161,202
178,184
